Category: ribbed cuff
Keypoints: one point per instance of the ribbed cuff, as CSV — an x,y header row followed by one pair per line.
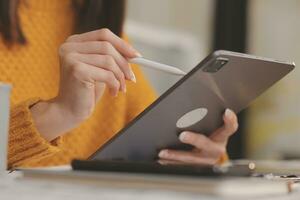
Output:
x,y
25,142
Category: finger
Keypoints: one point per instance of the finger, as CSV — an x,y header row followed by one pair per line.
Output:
x,y
106,35
106,62
186,157
230,126
102,48
202,143
88,73
99,90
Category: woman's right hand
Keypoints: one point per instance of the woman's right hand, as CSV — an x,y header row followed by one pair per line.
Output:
x,y
89,62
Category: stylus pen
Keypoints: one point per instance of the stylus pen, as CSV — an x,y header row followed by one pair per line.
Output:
x,y
157,66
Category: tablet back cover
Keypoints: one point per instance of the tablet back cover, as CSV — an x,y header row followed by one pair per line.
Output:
x,y
239,81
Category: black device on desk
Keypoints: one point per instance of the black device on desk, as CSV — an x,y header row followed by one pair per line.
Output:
x,y
156,168
196,103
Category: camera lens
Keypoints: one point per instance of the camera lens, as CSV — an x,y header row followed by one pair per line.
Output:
x,y
216,65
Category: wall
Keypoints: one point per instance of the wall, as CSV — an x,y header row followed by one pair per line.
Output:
x,y
274,30
180,33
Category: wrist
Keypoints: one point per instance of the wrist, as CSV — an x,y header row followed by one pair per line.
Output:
x,y
51,119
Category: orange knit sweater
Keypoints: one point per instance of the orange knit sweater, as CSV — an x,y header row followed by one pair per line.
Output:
x,y
33,70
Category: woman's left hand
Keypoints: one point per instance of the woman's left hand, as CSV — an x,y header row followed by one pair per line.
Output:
x,y
207,150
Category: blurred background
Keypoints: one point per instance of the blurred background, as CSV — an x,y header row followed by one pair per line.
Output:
x,y
182,33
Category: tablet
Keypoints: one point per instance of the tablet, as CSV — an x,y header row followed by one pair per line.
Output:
x,y
196,103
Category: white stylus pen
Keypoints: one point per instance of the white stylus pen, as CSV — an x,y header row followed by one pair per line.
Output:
x,y
157,66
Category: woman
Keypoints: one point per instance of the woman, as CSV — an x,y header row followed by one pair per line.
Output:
x,y
61,109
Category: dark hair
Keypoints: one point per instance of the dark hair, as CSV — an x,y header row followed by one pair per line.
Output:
x,y
90,15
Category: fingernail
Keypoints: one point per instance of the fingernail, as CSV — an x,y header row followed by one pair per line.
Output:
x,y
228,113
132,76
183,136
161,162
163,154
124,89
116,94
137,54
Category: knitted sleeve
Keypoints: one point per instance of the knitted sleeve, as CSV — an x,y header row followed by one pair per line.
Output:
x,y
25,142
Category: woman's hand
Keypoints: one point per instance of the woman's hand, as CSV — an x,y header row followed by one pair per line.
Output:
x,y
207,150
89,62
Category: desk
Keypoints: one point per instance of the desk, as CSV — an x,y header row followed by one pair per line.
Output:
x,y
13,187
